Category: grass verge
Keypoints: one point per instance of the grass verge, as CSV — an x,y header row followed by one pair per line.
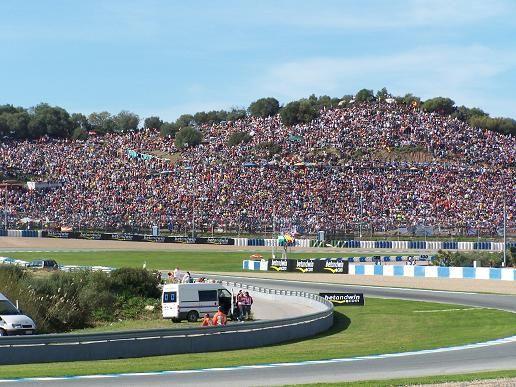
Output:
x,y
164,260
381,326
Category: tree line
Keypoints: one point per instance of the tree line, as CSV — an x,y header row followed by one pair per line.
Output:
x,y
56,122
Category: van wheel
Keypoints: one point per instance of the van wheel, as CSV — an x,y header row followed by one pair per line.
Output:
x,y
176,320
3,333
192,316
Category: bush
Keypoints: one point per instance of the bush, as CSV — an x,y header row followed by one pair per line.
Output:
x,y
298,112
364,95
439,105
264,107
238,138
132,282
463,259
188,137
270,147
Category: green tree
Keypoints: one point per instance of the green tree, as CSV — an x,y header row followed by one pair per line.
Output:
x,y
168,129
79,134
238,138
126,120
188,137
441,105
152,122
53,121
18,124
296,112
185,120
409,100
382,94
79,120
101,122
364,95
236,114
270,147
264,107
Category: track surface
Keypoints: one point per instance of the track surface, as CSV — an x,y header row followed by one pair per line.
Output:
x,y
497,355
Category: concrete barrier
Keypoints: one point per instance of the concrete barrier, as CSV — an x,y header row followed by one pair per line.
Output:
x,y
155,342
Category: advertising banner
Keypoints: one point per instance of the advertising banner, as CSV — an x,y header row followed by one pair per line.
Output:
x,y
305,265
58,234
216,241
352,299
331,265
281,264
89,235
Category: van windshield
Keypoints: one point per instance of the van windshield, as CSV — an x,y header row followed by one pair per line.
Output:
x,y
6,308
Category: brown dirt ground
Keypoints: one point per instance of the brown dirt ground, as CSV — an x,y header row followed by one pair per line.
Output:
x,y
465,285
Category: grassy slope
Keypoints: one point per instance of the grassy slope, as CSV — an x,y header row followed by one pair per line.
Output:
x,y
164,260
382,326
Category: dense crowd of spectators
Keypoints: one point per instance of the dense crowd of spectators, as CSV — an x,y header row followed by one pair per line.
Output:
x,y
350,165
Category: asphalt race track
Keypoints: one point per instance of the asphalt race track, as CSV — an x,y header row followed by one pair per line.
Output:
x,y
494,355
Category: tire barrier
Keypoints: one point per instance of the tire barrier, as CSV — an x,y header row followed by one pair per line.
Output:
x,y
479,273
156,342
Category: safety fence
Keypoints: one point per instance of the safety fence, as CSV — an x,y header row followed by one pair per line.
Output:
x,y
267,242
486,273
156,342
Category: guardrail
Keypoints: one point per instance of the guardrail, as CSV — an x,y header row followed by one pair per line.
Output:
x,y
155,342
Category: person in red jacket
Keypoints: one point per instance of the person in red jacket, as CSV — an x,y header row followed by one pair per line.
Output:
x,y
220,318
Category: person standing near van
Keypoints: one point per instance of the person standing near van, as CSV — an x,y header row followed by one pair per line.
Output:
x,y
177,275
187,278
247,301
220,319
240,304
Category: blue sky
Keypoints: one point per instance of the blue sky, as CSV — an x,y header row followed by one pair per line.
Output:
x,y
171,57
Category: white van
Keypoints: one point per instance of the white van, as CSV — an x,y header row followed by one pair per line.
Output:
x,y
12,321
190,301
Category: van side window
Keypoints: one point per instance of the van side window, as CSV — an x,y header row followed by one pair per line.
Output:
x,y
224,293
208,295
169,297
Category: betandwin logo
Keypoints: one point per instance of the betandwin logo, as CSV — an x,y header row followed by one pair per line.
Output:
x,y
278,265
344,298
305,266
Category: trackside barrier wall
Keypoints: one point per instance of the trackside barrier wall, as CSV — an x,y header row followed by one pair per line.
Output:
x,y
413,245
504,274
240,241
156,342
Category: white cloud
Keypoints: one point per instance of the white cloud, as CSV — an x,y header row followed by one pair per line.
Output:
x,y
391,14
428,72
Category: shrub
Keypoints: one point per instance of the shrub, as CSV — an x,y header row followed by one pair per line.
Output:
x,y
298,112
238,138
131,282
264,107
188,137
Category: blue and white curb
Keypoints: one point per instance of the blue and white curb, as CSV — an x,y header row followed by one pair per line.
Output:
x,y
486,273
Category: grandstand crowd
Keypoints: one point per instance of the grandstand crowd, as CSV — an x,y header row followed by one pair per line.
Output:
x,y
339,170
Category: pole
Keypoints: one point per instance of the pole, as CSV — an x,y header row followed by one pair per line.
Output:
x,y
193,217
5,207
504,236
361,213
273,232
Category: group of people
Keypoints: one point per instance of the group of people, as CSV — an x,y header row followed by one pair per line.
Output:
x,y
241,311
376,165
